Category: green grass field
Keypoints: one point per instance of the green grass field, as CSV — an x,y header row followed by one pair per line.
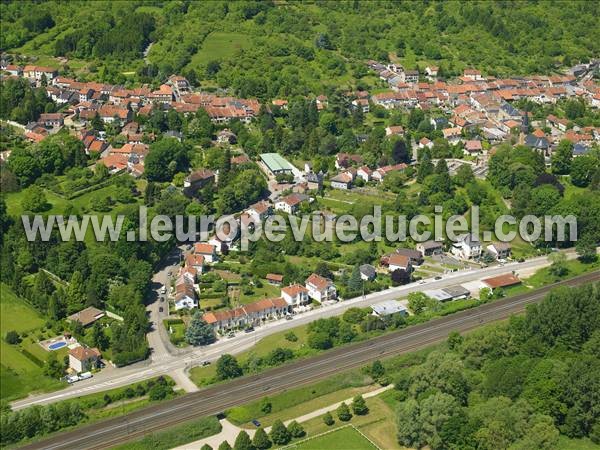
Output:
x,y
20,375
575,267
347,438
219,46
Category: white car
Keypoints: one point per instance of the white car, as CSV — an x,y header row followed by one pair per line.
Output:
x,y
72,379
85,375
163,290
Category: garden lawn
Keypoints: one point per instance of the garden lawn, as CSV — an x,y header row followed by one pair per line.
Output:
x,y
346,438
20,375
575,267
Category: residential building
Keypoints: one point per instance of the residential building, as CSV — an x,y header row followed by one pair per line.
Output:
x,y
399,262
197,180
467,246
415,256
252,314
295,295
87,316
83,359
394,130
429,248
274,278
208,251
291,203
320,288
342,181
367,272
500,250
365,173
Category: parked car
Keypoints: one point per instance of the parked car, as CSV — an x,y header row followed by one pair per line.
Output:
x,y
438,278
256,423
160,309
230,335
204,363
72,379
249,330
162,299
85,375
288,317
163,290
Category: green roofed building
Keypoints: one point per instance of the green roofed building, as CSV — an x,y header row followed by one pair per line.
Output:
x,y
276,164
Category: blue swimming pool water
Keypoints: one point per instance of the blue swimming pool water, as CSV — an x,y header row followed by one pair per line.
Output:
x,y
57,345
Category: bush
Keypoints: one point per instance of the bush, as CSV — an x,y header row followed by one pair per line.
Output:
x,y
343,412
279,433
359,407
291,336
296,430
328,419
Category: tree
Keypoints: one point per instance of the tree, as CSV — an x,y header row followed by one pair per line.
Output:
x,y
261,440
343,412
562,157
319,340
199,332
586,248
559,267
206,447
12,337
296,430
34,199
52,367
243,442
225,446
99,338
228,367
266,405
454,340
583,169
165,158
377,370
418,302
400,153
328,419
76,294
425,167
359,406
279,433
355,281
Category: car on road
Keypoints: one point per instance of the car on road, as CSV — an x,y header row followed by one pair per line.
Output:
x,y
422,281
163,290
288,317
162,299
438,277
85,375
72,379
231,335
249,330
204,363
256,423
161,309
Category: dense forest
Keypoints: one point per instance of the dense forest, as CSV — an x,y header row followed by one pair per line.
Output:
x,y
270,49
514,386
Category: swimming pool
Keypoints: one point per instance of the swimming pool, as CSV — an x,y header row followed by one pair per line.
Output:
x,y
57,345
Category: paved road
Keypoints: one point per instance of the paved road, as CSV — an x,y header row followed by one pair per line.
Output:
x,y
216,399
192,357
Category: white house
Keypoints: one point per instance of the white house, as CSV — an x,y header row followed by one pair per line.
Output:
x,y
320,289
295,295
500,250
290,204
83,359
342,181
467,246
399,262
208,251
365,173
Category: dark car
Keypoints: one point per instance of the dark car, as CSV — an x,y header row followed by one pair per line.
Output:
x,y
256,423
249,330
162,299
438,278
160,309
